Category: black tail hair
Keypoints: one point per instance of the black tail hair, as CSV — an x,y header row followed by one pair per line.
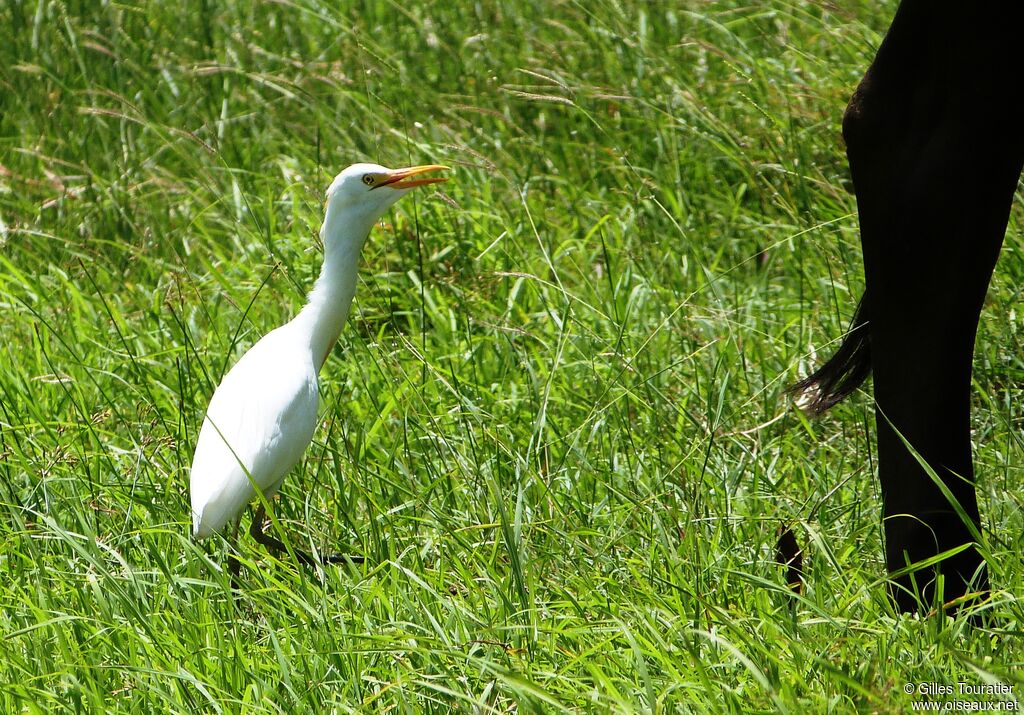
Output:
x,y
844,372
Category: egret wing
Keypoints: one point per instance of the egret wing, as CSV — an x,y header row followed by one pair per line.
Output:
x,y
260,420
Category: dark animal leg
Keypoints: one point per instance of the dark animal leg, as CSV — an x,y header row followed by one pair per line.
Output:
x,y
234,565
272,544
935,146
789,555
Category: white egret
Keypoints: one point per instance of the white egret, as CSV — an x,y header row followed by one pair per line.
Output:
x,y
264,412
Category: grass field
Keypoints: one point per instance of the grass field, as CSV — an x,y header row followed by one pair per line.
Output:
x,y
556,422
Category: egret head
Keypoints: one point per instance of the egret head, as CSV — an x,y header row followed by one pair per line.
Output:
x,y
363,192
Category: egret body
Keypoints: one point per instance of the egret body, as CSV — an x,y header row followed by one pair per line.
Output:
x,y
263,414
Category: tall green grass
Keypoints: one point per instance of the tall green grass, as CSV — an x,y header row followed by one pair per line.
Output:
x,y
555,423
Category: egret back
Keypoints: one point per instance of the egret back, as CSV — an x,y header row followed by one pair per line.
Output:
x,y
259,422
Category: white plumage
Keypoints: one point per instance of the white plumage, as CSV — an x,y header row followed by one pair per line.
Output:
x,y
263,414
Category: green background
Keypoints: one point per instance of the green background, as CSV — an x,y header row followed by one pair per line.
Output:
x,y
555,423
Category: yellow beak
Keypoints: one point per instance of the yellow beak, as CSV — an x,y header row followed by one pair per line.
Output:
x,y
398,178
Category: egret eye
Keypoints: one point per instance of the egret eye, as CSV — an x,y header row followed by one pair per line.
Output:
x,y
368,179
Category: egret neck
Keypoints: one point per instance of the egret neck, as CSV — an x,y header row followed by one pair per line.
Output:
x,y
320,321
